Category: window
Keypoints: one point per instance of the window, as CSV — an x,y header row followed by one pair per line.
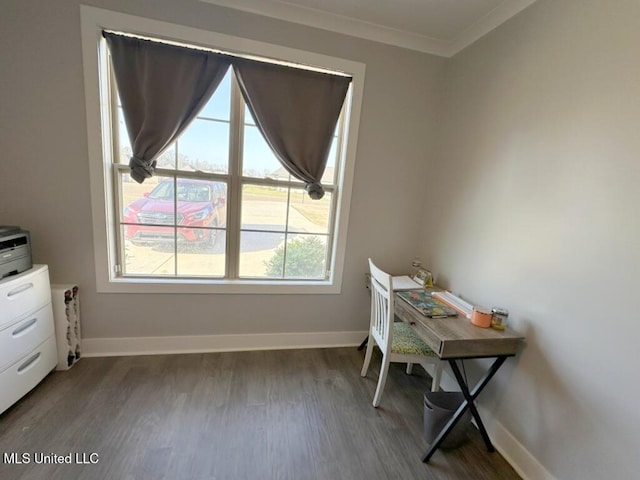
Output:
x,y
221,214
175,224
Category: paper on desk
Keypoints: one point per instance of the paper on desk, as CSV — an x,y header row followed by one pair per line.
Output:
x,y
405,282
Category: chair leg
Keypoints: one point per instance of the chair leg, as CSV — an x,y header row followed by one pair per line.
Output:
x,y
437,374
382,380
367,357
409,368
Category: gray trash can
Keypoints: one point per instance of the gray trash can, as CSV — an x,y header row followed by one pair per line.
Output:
x,y
439,407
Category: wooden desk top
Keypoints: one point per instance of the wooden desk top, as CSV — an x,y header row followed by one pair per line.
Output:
x,y
457,337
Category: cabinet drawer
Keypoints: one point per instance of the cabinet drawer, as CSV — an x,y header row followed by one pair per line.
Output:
x,y
24,293
27,372
21,337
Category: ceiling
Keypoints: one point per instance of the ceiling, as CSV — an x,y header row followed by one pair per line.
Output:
x,y
440,27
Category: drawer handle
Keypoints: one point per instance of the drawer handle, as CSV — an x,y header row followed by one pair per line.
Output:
x,y
20,289
24,326
29,362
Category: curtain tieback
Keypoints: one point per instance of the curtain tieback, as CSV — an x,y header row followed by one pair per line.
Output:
x,y
315,190
141,169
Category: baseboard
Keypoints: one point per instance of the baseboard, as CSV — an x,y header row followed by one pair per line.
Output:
x,y
112,347
522,461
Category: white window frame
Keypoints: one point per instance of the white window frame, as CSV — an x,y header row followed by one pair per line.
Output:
x,y
93,21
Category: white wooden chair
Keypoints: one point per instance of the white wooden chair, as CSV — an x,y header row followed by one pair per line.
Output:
x,y
396,340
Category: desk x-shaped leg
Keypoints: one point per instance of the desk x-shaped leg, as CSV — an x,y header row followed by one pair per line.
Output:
x,y
467,404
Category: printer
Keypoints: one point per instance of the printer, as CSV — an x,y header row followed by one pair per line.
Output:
x,y
15,251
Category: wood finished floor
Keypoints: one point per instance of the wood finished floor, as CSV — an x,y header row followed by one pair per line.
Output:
x,y
291,414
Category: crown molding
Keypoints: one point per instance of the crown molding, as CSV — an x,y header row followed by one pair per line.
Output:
x,y
378,33
484,25
337,23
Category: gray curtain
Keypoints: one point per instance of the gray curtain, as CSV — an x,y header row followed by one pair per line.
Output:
x,y
296,110
162,88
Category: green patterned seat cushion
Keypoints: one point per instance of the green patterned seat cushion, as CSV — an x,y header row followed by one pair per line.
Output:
x,y
406,342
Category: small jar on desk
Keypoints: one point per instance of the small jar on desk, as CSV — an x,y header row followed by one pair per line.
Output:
x,y
499,318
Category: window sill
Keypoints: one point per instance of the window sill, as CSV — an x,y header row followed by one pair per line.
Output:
x,y
209,286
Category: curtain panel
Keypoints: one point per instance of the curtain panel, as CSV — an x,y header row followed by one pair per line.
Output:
x,y
296,111
162,88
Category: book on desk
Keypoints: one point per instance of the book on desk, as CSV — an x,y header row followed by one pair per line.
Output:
x,y
424,303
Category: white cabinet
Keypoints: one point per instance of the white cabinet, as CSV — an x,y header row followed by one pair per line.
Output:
x,y
27,339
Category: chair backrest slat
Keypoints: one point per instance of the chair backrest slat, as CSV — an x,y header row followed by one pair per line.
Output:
x,y
382,312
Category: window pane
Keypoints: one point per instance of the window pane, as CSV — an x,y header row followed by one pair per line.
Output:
x,y
124,145
204,146
168,158
328,176
305,257
258,160
248,118
307,215
219,105
150,203
203,259
261,254
155,258
264,208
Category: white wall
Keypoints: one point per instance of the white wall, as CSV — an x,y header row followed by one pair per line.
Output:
x,y
44,179
535,193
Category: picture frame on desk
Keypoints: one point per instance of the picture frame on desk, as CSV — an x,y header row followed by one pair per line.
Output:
x,y
424,277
